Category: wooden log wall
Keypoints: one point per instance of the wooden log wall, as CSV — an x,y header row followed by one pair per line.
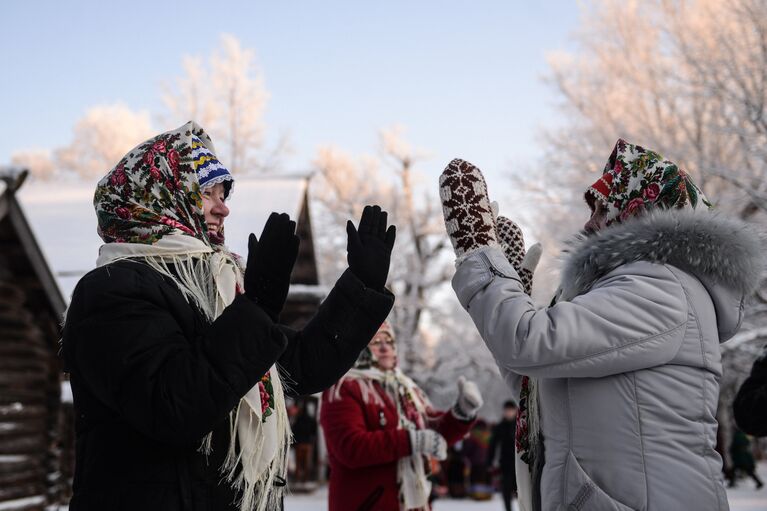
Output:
x,y
30,418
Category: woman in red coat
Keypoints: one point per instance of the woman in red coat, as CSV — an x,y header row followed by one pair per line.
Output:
x,y
380,428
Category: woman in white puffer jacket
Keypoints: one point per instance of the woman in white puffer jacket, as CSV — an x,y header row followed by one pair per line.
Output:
x,y
627,362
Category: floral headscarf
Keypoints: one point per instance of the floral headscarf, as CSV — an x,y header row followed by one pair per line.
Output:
x,y
636,179
154,190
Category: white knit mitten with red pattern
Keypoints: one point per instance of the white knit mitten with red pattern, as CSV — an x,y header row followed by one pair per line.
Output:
x,y
469,218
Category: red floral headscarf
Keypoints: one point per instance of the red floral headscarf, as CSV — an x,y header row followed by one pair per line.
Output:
x,y
636,179
154,190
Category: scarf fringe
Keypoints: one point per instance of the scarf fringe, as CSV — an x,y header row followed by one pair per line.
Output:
x,y
193,277
533,418
260,494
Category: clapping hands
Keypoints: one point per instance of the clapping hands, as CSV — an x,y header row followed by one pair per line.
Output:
x,y
270,262
369,247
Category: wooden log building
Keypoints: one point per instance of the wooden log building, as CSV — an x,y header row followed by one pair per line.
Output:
x,y
31,306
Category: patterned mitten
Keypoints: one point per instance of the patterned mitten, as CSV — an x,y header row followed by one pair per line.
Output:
x,y
468,215
513,245
428,442
512,241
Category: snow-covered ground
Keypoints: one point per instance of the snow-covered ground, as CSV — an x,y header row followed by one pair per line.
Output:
x,y
743,498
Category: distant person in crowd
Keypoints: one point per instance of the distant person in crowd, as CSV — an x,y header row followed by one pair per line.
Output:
x,y
623,369
742,459
380,428
750,404
173,342
304,440
456,471
475,448
501,451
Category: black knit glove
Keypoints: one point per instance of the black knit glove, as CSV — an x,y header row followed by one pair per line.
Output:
x,y
270,261
369,248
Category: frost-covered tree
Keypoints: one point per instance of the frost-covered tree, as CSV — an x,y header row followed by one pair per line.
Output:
x,y
341,186
436,341
225,93
421,266
39,162
344,186
687,78
101,137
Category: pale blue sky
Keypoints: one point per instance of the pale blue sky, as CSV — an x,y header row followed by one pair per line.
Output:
x,y
463,77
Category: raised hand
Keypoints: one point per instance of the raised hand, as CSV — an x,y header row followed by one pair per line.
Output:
x,y
369,247
270,262
428,442
513,246
466,206
469,399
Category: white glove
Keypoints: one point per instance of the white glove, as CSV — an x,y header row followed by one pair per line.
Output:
x,y
428,442
469,400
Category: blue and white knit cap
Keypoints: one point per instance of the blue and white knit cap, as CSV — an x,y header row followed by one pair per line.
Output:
x,y
210,171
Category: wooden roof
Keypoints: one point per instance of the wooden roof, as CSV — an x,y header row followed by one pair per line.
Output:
x,y
21,257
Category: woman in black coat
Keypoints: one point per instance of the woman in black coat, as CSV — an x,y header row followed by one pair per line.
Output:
x,y
750,404
178,362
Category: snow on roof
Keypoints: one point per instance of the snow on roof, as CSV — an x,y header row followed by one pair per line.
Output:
x,y
253,201
63,220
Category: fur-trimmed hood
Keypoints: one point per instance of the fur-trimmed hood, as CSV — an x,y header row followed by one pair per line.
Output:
x,y
724,253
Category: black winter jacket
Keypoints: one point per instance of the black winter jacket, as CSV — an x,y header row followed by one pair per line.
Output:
x,y
750,405
151,377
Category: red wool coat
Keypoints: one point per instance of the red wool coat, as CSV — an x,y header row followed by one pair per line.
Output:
x,y
364,445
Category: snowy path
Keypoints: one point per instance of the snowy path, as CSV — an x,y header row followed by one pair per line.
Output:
x,y
742,498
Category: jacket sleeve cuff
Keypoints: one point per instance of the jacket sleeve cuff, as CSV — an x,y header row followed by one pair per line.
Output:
x,y
479,269
457,413
351,297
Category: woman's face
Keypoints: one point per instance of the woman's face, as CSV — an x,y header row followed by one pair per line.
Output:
x,y
214,208
384,350
598,219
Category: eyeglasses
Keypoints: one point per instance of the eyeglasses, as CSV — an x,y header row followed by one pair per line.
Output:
x,y
380,341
